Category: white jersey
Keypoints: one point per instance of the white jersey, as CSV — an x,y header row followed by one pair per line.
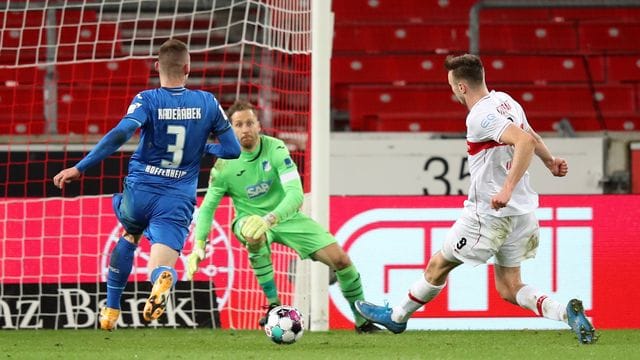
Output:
x,y
490,160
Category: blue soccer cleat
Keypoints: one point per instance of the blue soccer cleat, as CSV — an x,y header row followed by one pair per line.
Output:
x,y
379,315
579,322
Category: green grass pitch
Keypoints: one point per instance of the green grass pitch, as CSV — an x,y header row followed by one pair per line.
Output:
x,y
226,344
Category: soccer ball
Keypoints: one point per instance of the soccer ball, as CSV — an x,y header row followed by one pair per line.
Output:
x,y
284,325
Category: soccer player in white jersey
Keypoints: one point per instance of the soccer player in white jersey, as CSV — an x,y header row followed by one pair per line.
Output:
x,y
160,189
498,219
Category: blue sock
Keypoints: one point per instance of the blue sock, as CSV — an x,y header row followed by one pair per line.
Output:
x,y
157,271
120,266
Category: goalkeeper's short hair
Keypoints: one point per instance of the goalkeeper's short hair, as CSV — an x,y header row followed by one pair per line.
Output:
x,y
241,105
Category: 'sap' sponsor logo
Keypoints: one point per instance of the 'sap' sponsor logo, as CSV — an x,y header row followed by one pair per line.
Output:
x,y
258,189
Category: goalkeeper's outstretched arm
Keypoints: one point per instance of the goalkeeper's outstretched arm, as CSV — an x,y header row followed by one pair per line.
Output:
x,y
216,190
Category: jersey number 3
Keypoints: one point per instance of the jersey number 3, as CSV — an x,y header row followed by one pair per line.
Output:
x,y
175,149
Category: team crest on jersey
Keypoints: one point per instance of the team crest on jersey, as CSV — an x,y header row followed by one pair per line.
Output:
x,y
261,188
504,109
133,108
266,165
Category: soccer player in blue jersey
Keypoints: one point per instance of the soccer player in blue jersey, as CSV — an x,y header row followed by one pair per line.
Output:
x,y
160,189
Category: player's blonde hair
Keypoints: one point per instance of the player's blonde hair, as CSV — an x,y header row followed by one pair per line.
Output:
x,y
173,56
466,67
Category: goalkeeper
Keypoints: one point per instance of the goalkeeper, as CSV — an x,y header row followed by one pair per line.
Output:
x,y
265,187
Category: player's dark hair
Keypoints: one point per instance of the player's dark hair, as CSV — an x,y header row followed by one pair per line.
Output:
x,y
241,105
466,67
172,56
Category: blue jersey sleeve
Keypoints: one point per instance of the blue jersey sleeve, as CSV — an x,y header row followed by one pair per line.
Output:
x,y
221,121
138,110
109,143
228,148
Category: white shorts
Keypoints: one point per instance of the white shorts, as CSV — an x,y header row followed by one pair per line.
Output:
x,y
475,238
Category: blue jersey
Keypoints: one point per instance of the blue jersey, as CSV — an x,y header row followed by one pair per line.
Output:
x,y
175,125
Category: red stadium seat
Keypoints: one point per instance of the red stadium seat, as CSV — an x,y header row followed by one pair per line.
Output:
x,y
372,103
23,37
623,123
405,10
413,122
340,98
542,69
81,36
609,37
89,41
20,19
420,108
120,72
538,37
382,69
623,68
400,37
387,65
347,70
499,15
612,14
572,100
22,76
75,16
429,69
559,14
587,123
29,56
21,109
91,109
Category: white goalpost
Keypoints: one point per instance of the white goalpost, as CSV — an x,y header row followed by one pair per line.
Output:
x,y
68,70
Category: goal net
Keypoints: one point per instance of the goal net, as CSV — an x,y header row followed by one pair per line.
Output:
x,y
68,71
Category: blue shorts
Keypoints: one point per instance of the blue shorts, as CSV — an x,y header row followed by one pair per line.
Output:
x,y
163,219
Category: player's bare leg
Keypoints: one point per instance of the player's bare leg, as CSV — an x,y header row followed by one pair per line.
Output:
x,y
422,291
119,269
510,287
163,275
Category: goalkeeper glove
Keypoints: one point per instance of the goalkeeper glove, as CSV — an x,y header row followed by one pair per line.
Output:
x,y
255,226
197,255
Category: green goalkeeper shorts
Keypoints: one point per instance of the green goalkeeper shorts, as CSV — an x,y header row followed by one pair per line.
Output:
x,y
299,232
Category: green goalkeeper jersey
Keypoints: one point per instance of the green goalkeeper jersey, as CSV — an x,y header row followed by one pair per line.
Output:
x,y
259,182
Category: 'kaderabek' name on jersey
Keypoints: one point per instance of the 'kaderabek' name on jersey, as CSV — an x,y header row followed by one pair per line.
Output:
x,y
180,114
175,125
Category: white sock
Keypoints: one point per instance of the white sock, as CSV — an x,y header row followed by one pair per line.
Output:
x,y
530,298
420,293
